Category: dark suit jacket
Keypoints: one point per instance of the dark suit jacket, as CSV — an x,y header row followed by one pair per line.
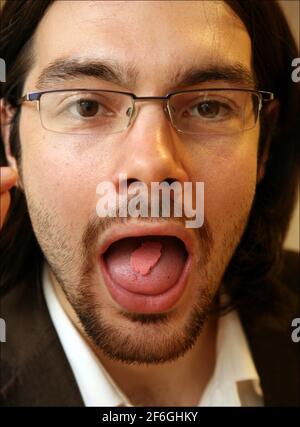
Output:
x,y
35,371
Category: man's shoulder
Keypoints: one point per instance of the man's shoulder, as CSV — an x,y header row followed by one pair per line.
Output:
x,y
269,332
34,369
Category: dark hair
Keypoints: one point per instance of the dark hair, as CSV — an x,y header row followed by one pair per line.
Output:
x,y
256,262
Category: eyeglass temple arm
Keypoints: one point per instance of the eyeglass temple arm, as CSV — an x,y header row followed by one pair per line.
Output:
x,y
267,96
34,96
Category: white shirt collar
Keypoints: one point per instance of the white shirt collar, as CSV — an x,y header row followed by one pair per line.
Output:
x,y
235,381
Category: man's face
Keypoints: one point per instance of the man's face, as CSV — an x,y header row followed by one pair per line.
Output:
x,y
60,172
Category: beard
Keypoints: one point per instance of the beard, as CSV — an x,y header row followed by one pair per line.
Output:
x,y
131,338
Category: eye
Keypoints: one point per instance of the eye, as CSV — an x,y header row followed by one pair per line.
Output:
x,y
87,107
209,109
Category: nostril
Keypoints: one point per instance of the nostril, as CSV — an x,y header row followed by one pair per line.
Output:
x,y
169,180
131,181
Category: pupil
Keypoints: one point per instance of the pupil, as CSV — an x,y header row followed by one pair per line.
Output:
x,y
209,108
87,108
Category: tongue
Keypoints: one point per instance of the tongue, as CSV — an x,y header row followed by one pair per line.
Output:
x,y
145,257
146,265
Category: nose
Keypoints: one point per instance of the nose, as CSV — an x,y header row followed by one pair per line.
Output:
x,y
151,151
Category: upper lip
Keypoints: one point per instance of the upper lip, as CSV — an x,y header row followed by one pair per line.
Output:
x,y
122,231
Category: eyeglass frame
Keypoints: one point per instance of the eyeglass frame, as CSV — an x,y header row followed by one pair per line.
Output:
x,y
264,96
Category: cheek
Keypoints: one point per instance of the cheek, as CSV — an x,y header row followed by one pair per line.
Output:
x,y
230,193
229,177
61,176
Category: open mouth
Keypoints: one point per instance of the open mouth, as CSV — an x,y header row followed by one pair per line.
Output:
x,y
146,273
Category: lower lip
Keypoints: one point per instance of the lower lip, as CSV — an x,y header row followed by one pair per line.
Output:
x,y
140,303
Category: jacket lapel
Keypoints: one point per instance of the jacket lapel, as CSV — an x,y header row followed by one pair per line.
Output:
x,y
34,368
276,356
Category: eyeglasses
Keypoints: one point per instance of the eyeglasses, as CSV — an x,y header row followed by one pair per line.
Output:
x,y
103,112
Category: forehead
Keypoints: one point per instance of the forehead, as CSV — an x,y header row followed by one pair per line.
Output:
x,y
157,36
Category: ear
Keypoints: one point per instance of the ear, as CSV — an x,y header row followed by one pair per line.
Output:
x,y
271,113
7,113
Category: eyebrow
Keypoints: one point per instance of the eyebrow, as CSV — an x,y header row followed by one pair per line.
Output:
x,y
106,70
235,73
126,75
